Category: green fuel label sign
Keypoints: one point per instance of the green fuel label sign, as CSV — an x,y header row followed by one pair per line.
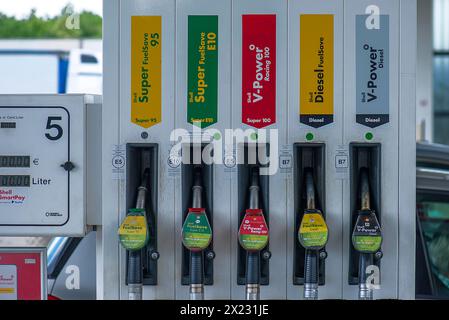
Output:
x,y
196,231
202,70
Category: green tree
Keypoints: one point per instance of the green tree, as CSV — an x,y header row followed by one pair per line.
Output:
x,y
55,27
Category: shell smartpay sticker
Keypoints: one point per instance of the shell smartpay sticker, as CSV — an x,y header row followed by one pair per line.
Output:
x,y
313,232
196,231
133,232
253,232
367,236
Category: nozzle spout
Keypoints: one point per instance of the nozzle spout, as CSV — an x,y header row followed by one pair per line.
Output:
x,y
310,190
197,188
364,189
254,189
143,189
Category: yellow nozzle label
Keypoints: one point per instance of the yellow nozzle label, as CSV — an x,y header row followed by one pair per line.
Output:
x,y
133,232
313,232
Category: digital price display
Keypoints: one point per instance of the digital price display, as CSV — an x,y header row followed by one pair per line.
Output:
x,y
14,181
14,161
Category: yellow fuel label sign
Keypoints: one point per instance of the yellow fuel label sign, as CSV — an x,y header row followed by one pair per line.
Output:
x,y
316,69
146,70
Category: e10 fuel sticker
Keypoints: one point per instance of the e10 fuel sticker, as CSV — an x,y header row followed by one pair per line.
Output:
x,y
259,70
253,231
196,231
146,73
202,97
316,88
372,71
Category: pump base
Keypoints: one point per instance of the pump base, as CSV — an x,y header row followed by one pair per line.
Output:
x,y
365,293
134,291
196,292
252,292
310,291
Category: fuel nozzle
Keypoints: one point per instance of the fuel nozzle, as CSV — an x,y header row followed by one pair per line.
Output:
x,y
253,257
366,236
313,236
134,235
196,237
253,237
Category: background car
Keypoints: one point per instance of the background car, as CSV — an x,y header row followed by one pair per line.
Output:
x,y
432,221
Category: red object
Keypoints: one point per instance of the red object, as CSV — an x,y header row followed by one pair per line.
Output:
x,y
254,223
29,273
259,70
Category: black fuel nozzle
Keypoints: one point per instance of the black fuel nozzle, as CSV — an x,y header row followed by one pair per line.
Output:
x,y
196,289
135,261
311,263
366,236
253,257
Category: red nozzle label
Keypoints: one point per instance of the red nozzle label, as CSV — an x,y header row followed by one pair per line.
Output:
x,y
253,232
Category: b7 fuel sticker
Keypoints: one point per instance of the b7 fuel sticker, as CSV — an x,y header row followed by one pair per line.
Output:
x,y
259,70
202,97
316,106
372,71
146,73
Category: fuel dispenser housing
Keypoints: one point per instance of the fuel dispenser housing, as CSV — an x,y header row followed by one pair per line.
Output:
x,y
328,137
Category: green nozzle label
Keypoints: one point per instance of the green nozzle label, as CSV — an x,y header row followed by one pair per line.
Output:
x,y
133,232
196,231
253,232
367,236
313,232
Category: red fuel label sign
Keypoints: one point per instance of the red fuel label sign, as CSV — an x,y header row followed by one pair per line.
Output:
x,y
259,70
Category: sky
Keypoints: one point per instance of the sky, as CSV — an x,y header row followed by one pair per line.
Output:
x,y
21,8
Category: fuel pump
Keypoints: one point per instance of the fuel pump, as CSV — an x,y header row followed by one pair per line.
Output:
x,y
312,235
253,237
366,236
196,237
134,236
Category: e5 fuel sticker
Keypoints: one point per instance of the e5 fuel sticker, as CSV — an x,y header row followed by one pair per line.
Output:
x,y
146,70
253,232
367,236
316,106
202,99
258,70
372,71
313,232
196,231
